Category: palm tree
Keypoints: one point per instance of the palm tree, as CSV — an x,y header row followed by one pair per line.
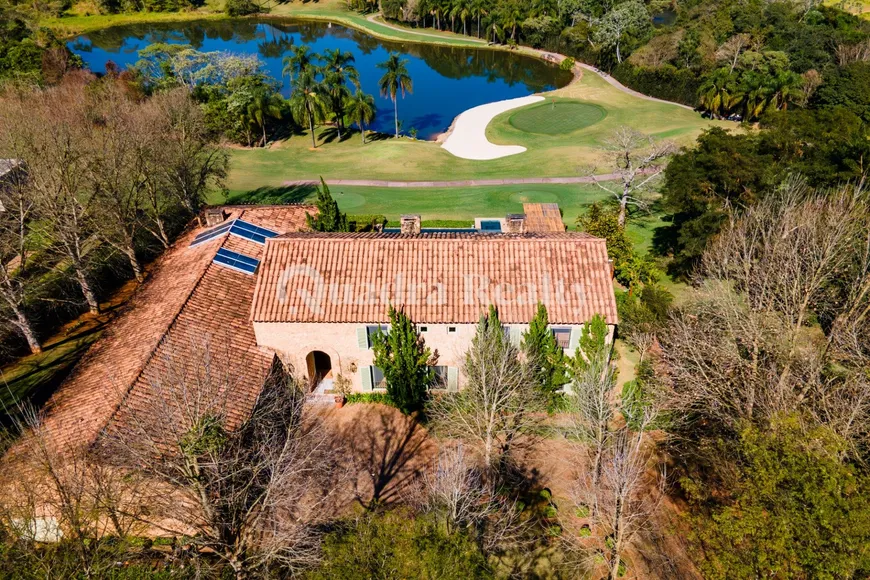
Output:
x,y
298,61
361,110
338,72
756,94
784,88
719,92
395,80
306,102
262,106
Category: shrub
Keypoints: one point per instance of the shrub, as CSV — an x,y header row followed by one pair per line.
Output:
x,y
241,7
568,63
585,532
582,511
409,547
365,222
370,398
550,512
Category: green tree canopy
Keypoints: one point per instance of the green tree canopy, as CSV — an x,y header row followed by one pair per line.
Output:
x,y
544,355
329,218
406,361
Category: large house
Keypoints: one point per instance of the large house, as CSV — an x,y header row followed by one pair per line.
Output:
x,y
269,293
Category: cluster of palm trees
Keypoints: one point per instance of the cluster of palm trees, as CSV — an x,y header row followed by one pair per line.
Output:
x,y
749,93
328,85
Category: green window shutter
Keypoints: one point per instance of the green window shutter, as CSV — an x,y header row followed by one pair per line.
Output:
x,y
362,338
366,376
452,379
575,338
516,336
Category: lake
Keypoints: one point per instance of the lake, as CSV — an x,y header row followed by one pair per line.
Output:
x,y
447,80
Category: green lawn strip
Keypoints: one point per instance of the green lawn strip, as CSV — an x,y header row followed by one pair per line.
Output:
x,y
453,205
74,25
34,377
335,12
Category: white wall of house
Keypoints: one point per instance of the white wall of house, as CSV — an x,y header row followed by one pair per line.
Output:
x,y
350,353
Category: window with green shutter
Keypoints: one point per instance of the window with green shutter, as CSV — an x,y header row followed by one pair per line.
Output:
x,y
452,378
365,374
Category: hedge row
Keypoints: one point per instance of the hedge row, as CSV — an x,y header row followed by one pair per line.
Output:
x,y
666,82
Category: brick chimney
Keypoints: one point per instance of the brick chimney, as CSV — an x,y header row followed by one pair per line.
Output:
x,y
515,223
411,224
214,216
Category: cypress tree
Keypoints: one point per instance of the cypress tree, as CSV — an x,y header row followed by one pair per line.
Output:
x,y
406,362
544,355
328,218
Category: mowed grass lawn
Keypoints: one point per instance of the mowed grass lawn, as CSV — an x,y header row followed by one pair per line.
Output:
x,y
563,154
455,203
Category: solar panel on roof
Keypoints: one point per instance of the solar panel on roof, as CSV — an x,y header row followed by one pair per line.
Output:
x,y
236,261
251,232
212,233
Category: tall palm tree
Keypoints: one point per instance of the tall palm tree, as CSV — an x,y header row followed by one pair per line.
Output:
x,y
298,61
261,107
395,80
339,71
361,110
719,92
307,100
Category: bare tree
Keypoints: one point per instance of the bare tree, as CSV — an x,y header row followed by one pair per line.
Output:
x,y
117,170
628,494
746,346
639,161
494,411
45,129
55,494
189,163
15,287
590,397
730,50
250,482
460,494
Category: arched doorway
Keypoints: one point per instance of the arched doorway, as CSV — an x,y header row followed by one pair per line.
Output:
x,y
319,371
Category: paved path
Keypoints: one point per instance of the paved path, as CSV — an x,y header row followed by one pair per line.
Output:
x,y
463,183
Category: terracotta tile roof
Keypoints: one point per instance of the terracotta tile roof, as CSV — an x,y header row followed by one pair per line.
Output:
x,y
187,296
312,277
543,217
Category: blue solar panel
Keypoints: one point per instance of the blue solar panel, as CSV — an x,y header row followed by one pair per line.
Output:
x,y
236,261
212,233
251,232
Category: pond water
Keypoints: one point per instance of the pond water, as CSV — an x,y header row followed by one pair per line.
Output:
x,y
446,80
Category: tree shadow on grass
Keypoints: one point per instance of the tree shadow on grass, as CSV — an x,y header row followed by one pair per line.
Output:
x,y
37,377
281,194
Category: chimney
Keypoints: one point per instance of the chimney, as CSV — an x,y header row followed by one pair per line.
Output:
x,y
411,224
515,223
214,216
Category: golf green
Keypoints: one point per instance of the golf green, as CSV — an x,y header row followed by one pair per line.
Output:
x,y
555,118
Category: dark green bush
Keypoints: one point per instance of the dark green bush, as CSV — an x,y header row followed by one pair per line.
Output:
x,y
665,82
365,222
241,7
